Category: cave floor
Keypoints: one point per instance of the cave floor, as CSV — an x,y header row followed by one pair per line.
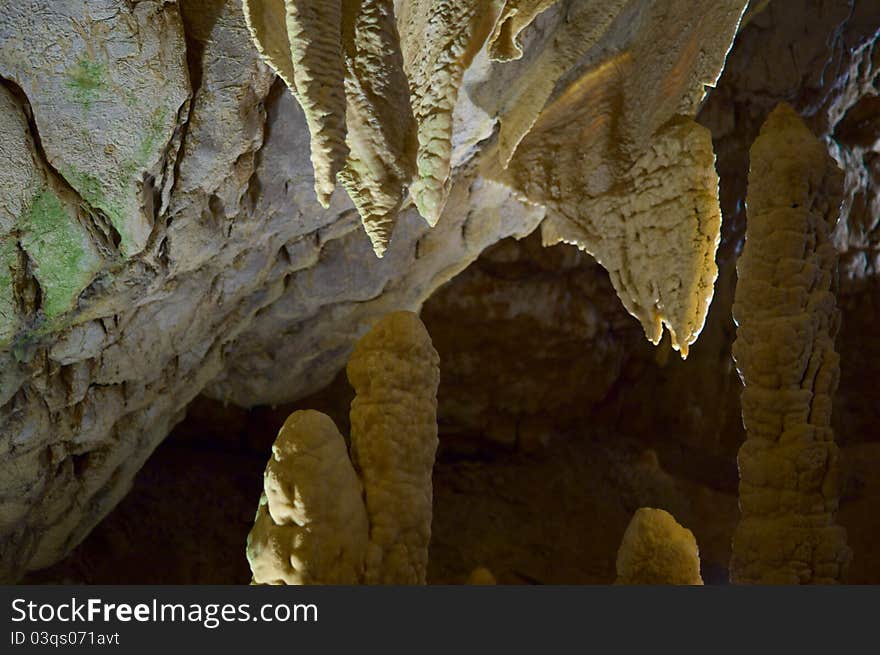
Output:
x,y
554,515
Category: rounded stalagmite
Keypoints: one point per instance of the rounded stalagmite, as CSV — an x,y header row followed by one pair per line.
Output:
x,y
311,525
656,550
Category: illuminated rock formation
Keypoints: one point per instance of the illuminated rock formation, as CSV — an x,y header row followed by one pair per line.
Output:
x,y
516,15
784,351
580,25
600,146
439,41
657,550
317,522
345,64
394,372
311,525
302,41
658,239
381,130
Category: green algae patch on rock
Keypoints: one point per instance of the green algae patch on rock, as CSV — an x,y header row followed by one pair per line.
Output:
x,y
94,192
8,316
65,258
86,80
105,99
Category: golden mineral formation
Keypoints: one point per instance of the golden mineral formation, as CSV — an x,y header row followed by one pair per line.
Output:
x,y
658,236
378,91
608,145
601,140
341,59
787,321
395,373
657,550
327,518
311,525
481,576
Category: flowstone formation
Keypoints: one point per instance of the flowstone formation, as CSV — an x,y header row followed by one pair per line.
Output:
x,y
657,550
787,321
187,251
325,519
658,238
638,154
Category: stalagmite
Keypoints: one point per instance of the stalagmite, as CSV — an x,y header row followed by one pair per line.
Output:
x,y
326,519
481,576
657,550
394,372
787,321
311,525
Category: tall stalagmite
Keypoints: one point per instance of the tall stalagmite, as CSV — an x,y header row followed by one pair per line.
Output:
x,y
395,373
787,321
